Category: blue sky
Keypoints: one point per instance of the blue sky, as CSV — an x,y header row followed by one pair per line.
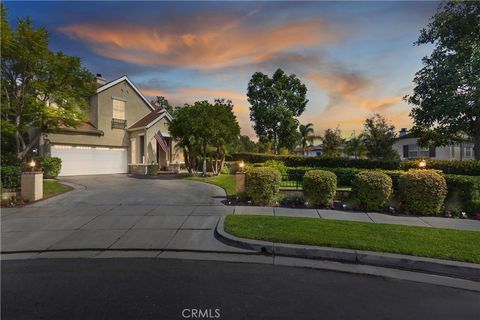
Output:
x,y
356,58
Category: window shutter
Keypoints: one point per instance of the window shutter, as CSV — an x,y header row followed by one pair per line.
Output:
x,y
431,152
405,150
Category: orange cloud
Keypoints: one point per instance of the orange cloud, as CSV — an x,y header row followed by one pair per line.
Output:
x,y
201,43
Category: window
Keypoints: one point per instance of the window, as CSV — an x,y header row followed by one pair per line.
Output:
x,y
468,151
414,151
118,109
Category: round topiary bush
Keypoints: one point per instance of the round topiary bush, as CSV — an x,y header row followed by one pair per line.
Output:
x,y
422,191
319,187
372,189
262,184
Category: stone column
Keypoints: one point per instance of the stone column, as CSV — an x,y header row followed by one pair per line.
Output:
x,y
240,181
32,185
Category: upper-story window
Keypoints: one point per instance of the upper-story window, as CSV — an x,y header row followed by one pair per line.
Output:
x,y
118,109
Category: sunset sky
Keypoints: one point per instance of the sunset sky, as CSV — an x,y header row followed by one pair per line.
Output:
x,y
356,58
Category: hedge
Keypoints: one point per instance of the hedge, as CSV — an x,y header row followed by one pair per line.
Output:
x,y
262,184
468,167
422,191
51,166
11,177
463,193
319,187
372,189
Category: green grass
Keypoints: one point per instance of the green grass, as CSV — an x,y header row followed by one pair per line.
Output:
x,y
52,188
225,181
418,241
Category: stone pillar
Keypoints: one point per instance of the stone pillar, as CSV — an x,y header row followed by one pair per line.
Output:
x,y
240,181
32,186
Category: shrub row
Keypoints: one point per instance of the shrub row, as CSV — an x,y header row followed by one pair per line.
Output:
x,y
11,177
469,167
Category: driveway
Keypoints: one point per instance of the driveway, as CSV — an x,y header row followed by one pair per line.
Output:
x,y
119,212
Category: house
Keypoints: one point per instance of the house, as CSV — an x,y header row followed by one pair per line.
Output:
x,y
310,151
407,147
119,136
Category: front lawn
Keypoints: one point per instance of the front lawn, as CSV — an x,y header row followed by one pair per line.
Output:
x,y
225,181
52,188
418,241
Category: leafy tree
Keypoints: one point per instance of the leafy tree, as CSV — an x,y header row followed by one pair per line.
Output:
x,y
305,132
41,90
275,105
332,142
446,97
161,102
378,138
355,147
204,129
243,144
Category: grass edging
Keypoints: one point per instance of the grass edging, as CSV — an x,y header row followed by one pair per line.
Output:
x,y
464,270
447,244
225,181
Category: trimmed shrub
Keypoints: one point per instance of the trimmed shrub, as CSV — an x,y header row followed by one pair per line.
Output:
x,y
152,169
277,165
372,189
262,184
319,187
51,166
463,193
422,191
11,177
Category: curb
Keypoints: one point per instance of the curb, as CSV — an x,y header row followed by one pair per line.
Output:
x,y
463,270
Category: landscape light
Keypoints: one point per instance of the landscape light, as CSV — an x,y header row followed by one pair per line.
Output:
x,y
422,164
32,164
241,165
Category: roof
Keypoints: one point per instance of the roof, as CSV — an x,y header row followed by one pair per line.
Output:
x,y
150,119
125,78
84,127
308,148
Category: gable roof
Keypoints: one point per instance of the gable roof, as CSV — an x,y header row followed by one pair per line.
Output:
x,y
150,119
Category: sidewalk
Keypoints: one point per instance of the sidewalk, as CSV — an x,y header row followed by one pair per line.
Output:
x,y
420,221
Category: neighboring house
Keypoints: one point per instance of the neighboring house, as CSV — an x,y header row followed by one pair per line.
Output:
x,y
119,136
407,147
310,151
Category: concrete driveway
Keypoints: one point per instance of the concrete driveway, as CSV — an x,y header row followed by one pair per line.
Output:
x,y
119,212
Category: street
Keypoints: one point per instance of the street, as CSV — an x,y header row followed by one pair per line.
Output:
x,y
183,289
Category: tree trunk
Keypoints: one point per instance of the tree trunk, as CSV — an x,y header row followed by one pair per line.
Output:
x,y
476,147
204,160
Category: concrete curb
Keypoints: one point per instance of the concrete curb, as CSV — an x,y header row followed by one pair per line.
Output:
x,y
455,269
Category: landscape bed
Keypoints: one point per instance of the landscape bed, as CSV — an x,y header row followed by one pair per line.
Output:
x,y
438,243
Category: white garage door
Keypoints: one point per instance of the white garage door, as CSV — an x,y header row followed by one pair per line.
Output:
x,y
81,160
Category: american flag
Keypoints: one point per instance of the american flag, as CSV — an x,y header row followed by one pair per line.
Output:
x,y
161,141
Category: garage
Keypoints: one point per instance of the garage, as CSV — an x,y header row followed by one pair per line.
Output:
x,y
88,160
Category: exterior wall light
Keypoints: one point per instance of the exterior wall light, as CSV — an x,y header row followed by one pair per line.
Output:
x,y
32,164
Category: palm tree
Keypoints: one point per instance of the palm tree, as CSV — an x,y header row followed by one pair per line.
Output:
x,y
305,132
355,146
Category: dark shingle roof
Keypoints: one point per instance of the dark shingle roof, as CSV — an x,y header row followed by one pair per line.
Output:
x,y
149,118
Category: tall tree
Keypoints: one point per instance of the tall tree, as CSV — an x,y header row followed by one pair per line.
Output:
x,y
162,102
378,137
40,89
306,130
275,105
204,129
446,97
355,147
332,142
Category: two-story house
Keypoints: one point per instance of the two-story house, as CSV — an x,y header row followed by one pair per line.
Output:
x,y
407,147
119,136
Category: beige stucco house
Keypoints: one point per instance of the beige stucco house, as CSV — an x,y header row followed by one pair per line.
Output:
x,y
119,136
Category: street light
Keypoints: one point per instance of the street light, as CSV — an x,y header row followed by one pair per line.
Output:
x,y
32,164
422,164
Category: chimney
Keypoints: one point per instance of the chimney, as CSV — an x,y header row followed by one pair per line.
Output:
x,y
100,80
403,132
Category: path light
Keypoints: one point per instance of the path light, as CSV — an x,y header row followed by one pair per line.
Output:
x,y
32,164
422,164
241,165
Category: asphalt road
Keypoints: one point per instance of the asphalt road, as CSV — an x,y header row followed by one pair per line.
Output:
x,y
166,289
